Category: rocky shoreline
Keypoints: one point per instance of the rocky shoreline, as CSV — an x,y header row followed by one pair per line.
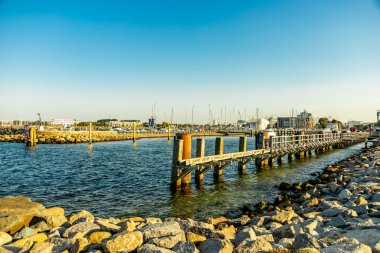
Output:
x,y
64,137
338,211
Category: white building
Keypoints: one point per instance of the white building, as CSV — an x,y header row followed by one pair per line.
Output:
x,y
63,122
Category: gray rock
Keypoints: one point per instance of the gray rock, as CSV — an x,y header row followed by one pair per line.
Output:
x,y
338,239
81,227
150,248
185,247
187,224
362,209
238,222
347,248
215,245
349,213
338,222
287,231
286,242
160,230
61,244
332,212
375,197
305,241
250,246
41,226
25,232
244,234
370,237
258,221
168,241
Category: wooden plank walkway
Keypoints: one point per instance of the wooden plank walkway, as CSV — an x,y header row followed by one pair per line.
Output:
x,y
270,147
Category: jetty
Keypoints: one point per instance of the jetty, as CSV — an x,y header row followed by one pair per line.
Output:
x,y
271,146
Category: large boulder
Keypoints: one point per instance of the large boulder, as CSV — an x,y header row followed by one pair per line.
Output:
x,y
123,242
370,237
5,238
283,216
347,248
17,212
150,248
82,227
251,246
185,247
54,217
168,241
82,216
215,246
245,234
160,230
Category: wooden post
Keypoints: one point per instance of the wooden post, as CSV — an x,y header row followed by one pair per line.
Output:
x,y
219,149
200,153
186,154
271,161
90,133
168,132
290,157
32,141
242,148
177,155
134,132
280,159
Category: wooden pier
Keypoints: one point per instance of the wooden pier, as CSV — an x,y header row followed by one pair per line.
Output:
x,y
270,146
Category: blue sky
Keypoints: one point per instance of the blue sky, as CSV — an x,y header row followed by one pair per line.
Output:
x,y
100,59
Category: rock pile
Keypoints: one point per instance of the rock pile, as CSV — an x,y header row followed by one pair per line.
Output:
x,y
338,211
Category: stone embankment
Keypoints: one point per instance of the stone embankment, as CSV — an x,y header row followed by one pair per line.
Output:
x,y
338,211
64,137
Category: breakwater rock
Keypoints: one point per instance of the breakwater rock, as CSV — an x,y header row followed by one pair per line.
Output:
x,y
69,137
337,211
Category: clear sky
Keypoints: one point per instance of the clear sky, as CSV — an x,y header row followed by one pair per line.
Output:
x,y
98,59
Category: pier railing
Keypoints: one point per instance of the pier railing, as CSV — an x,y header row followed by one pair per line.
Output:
x,y
270,147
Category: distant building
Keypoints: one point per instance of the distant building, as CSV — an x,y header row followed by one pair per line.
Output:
x,y
286,122
152,122
129,123
63,122
332,126
19,123
303,120
259,124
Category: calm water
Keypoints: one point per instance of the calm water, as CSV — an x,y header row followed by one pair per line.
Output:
x,y
118,179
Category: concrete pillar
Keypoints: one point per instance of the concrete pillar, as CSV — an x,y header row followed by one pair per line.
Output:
x,y
177,155
242,148
219,149
186,154
200,153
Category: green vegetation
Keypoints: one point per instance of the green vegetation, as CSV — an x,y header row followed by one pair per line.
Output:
x,y
323,122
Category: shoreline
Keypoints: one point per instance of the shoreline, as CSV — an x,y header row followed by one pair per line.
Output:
x,y
338,210
63,137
